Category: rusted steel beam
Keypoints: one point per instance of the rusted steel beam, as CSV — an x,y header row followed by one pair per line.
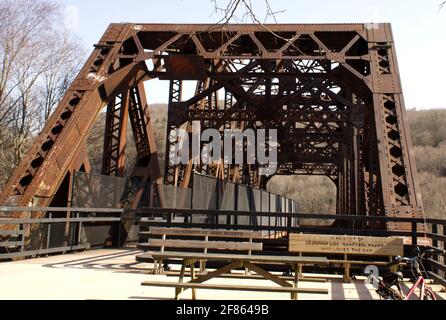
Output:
x,y
45,166
146,167
399,181
113,159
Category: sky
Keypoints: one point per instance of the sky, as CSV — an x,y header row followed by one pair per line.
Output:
x,y
419,30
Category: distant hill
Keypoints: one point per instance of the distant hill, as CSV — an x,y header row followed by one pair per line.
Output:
x,y
428,131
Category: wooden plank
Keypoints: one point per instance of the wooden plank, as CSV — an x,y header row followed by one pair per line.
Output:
x,y
216,273
267,275
301,229
234,257
233,287
198,244
246,276
204,232
380,263
382,246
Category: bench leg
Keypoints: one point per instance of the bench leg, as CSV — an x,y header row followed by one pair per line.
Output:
x,y
202,266
297,271
347,278
161,266
192,269
393,268
155,267
179,290
177,293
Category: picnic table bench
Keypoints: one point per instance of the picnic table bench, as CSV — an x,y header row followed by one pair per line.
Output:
x,y
202,240
235,261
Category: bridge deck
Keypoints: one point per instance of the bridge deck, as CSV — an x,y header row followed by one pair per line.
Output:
x,y
114,274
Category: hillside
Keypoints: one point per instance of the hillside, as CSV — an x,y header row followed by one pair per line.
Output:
x,y
428,130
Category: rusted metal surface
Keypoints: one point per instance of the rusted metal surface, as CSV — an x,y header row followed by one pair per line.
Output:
x,y
185,67
332,91
113,159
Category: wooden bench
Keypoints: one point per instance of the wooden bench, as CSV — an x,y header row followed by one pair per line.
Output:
x,y
203,240
234,261
347,246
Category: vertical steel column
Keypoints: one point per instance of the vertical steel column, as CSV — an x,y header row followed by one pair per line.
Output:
x,y
171,171
113,159
229,100
146,168
398,174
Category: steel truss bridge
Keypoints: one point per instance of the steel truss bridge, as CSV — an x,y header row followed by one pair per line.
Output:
x,y
332,91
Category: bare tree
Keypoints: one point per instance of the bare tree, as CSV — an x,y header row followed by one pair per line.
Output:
x,y
64,64
38,59
243,11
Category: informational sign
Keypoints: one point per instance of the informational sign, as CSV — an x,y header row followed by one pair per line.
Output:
x,y
385,246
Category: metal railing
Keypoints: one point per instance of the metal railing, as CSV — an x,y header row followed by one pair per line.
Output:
x,y
56,230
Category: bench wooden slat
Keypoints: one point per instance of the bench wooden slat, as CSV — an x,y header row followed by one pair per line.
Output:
x,y
204,232
378,263
232,287
198,244
233,257
247,276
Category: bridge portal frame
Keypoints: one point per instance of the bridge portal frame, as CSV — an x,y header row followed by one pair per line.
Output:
x,y
333,90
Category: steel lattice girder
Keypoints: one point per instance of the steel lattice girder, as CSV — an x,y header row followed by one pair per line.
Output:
x,y
332,90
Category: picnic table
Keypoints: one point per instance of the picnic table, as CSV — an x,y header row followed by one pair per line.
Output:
x,y
232,262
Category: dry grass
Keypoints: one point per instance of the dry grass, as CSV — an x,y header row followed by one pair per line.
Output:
x,y
313,193
428,129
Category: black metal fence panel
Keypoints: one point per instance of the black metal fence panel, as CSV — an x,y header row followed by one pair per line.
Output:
x,y
207,193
